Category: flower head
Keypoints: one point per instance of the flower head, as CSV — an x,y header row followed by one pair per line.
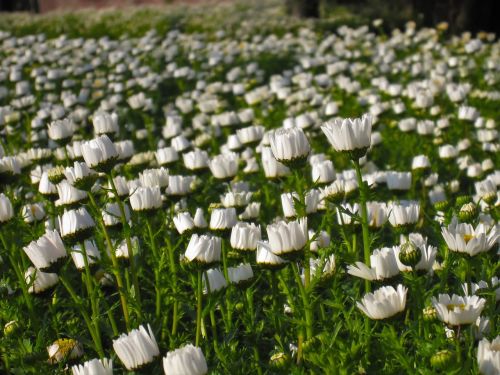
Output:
x,y
136,348
457,310
384,302
186,360
349,134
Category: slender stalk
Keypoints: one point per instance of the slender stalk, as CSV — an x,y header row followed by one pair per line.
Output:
x,y
173,274
228,291
364,219
84,313
199,296
19,274
305,301
126,228
156,270
90,290
212,319
366,240
114,261
275,295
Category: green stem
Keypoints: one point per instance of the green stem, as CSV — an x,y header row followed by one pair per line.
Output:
x,y
84,313
156,270
92,296
199,296
364,219
366,241
305,301
19,273
114,261
126,228
173,274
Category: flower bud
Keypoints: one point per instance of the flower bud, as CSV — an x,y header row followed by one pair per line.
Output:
x,y
410,254
467,212
279,360
442,205
56,174
10,327
429,313
462,199
442,359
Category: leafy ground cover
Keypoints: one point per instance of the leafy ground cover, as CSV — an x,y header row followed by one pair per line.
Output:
x,y
235,191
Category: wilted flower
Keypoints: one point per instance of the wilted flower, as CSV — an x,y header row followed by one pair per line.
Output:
x,y
63,349
136,348
186,360
384,302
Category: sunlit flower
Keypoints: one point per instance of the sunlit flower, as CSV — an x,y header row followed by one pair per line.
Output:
x,y
287,237
488,356
457,310
203,249
464,238
136,348
244,236
289,145
99,153
46,251
63,349
186,360
94,367
6,210
349,134
384,302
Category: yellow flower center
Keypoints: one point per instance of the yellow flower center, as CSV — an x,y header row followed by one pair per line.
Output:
x,y
452,306
468,237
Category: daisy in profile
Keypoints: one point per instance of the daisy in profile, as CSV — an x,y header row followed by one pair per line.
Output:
x,y
384,302
457,310
464,238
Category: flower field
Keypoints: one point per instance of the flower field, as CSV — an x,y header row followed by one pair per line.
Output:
x,y
239,192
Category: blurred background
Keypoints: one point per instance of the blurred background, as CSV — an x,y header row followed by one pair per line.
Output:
x,y
461,15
